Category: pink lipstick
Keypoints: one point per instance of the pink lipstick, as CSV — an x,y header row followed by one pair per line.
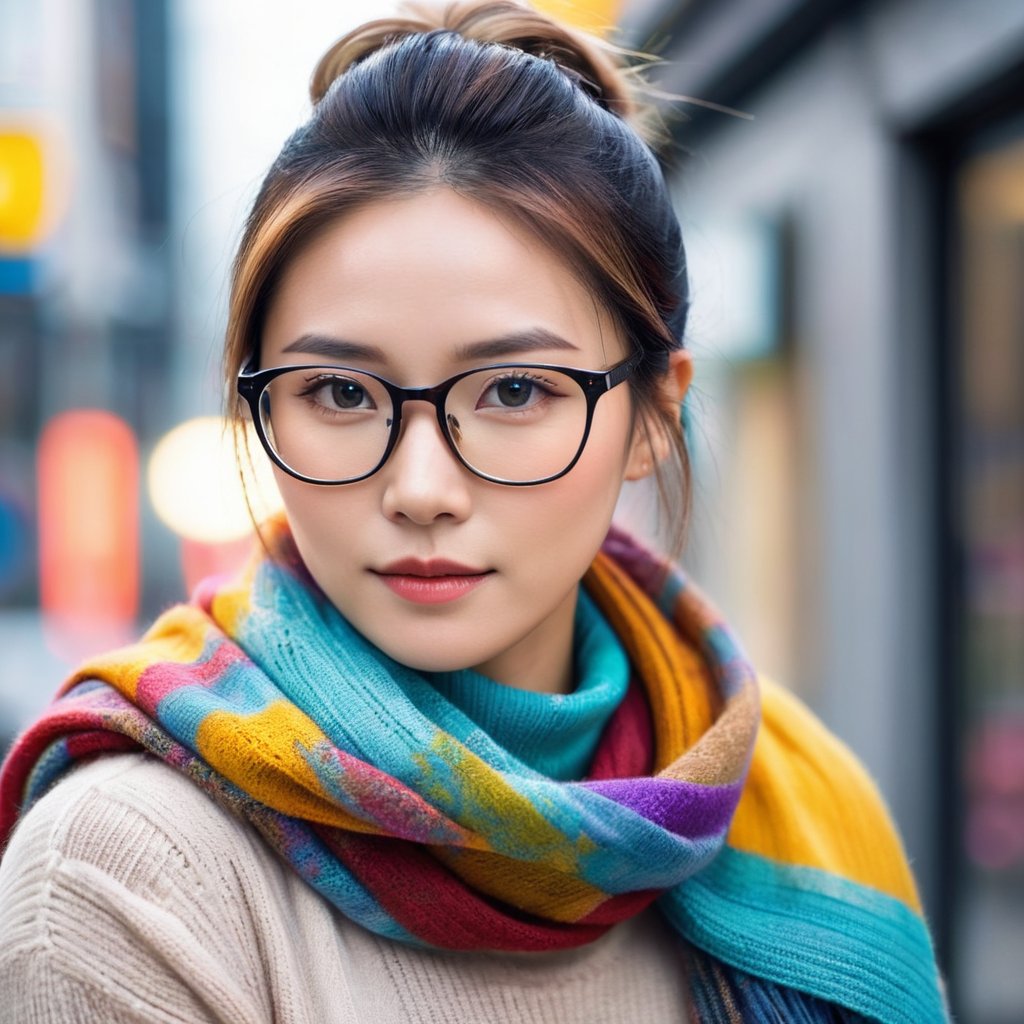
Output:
x,y
436,581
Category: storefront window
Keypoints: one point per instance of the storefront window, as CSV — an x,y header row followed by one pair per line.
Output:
x,y
988,515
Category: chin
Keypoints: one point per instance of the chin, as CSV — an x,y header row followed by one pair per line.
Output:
x,y
425,646
434,658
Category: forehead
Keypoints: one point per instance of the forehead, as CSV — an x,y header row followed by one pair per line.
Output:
x,y
422,278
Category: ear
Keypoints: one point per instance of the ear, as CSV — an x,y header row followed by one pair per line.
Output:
x,y
651,440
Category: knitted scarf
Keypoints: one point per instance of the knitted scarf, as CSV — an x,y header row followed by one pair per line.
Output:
x,y
766,849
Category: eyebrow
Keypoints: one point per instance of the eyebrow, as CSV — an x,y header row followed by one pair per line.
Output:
x,y
514,343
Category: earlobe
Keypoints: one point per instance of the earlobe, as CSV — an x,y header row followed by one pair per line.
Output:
x,y
652,443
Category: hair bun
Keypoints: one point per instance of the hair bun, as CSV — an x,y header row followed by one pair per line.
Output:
x,y
597,66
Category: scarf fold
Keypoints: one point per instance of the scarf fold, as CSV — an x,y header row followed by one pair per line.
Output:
x,y
768,851
555,733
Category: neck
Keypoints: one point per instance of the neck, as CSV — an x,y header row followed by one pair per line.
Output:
x,y
542,661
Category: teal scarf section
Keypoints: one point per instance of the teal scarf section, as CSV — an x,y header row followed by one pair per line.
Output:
x,y
555,734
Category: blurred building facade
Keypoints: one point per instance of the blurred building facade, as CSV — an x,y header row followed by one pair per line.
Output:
x,y
855,227
86,286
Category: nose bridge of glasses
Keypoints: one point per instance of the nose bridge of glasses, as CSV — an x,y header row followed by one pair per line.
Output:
x,y
434,397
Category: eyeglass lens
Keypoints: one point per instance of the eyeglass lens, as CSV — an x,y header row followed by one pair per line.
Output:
x,y
518,424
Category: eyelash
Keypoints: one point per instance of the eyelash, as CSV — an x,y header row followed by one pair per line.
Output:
x,y
546,383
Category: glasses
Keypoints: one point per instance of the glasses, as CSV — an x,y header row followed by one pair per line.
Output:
x,y
514,423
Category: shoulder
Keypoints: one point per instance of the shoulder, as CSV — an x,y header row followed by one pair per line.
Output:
x,y
114,789
808,800
128,818
126,883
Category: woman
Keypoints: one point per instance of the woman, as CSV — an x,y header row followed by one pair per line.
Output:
x,y
473,753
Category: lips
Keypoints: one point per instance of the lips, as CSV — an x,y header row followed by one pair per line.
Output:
x,y
434,581
431,568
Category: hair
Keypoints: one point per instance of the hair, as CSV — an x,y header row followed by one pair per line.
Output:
x,y
507,107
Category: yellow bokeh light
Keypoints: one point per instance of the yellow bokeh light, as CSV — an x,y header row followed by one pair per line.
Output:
x,y
194,484
596,16
21,190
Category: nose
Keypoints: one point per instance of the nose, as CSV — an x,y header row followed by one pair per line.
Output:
x,y
424,481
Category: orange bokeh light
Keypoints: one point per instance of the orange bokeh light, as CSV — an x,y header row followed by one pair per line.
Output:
x,y
88,471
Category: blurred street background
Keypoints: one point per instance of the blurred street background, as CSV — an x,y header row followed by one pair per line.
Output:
x,y
850,181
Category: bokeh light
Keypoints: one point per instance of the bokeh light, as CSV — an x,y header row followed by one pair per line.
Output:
x,y
196,487
595,16
21,189
15,532
35,175
88,530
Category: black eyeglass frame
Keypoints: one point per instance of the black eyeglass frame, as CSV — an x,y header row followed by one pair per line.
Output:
x,y
251,383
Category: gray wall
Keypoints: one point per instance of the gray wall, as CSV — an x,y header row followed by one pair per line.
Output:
x,y
824,151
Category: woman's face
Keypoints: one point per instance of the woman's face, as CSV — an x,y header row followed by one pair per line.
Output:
x,y
415,281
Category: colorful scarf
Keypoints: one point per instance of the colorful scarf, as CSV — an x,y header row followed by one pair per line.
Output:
x,y
767,850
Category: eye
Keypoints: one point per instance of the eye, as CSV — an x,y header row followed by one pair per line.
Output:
x,y
346,394
514,391
338,393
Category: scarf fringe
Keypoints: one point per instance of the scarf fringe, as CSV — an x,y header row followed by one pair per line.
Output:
x,y
721,994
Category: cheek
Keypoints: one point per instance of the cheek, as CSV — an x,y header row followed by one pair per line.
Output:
x,y
318,517
305,504
572,514
602,465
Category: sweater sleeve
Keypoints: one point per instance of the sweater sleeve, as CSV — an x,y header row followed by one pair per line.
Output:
x,y
119,901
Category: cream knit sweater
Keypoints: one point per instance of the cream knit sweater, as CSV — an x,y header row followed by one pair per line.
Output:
x,y
126,894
